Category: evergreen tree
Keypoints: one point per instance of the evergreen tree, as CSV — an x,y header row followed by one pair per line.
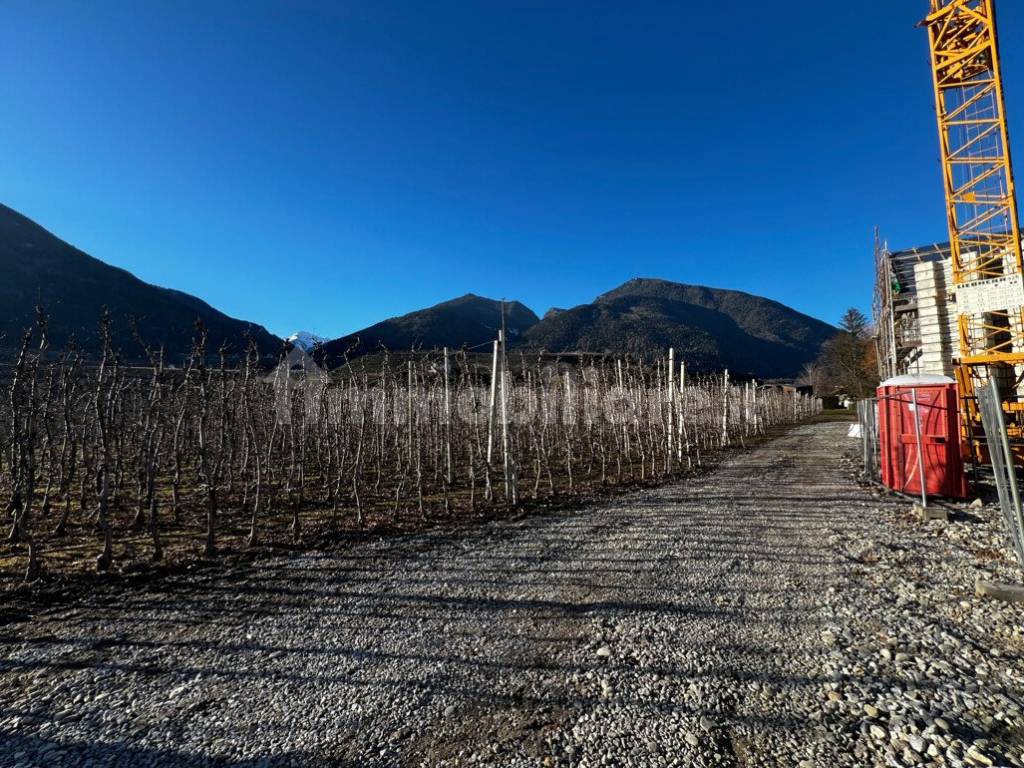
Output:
x,y
849,357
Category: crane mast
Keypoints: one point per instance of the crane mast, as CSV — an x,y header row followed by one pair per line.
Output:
x,y
981,207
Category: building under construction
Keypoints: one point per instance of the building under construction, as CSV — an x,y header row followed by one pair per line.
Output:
x,y
917,319
915,311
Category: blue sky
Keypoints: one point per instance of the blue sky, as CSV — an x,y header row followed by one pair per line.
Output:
x,y
325,165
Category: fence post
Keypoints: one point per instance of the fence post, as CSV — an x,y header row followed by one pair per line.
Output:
x,y
1002,465
920,453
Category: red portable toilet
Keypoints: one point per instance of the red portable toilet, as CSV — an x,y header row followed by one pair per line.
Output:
x,y
937,413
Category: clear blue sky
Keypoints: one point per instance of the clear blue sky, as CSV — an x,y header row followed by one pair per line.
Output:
x,y
325,165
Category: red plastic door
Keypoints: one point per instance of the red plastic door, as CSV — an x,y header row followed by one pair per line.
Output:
x,y
934,418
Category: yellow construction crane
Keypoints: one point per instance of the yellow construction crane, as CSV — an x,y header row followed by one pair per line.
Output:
x,y
984,234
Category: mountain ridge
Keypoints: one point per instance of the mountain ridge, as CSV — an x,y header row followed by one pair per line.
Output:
x,y
468,320
711,328
74,287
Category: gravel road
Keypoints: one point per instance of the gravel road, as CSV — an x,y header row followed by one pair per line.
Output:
x,y
771,612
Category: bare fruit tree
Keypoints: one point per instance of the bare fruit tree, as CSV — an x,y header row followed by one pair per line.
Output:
x,y
233,451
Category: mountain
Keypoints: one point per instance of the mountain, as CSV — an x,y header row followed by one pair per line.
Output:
x,y
711,328
305,340
39,268
468,320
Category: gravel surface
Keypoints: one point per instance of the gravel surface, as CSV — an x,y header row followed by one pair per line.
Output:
x,y
772,612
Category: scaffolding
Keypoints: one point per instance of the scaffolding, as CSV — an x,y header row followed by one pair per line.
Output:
x,y
914,312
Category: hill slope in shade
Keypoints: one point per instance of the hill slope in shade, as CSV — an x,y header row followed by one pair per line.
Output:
x,y
711,328
469,320
73,288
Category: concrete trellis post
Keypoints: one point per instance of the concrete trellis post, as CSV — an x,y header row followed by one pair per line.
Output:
x,y
753,393
510,491
671,406
447,421
725,408
492,405
408,413
682,416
